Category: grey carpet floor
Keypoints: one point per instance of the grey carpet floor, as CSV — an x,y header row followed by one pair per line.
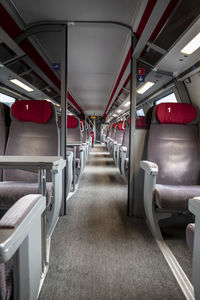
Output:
x,y
177,244
97,252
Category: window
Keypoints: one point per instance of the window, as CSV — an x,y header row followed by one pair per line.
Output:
x,y
140,112
6,99
168,98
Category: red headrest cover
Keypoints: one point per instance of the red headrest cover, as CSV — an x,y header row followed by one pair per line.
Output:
x,y
121,125
114,125
175,113
140,122
37,111
82,123
72,121
128,121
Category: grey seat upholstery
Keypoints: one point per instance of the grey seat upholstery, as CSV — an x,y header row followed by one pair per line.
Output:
x,y
172,172
28,138
74,137
124,153
4,128
118,141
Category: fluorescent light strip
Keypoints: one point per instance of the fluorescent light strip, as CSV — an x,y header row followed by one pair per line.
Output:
x,y
22,85
119,110
127,103
192,46
145,87
114,115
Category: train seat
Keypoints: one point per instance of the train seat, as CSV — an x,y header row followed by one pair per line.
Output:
x,y
118,141
108,137
112,138
85,141
33,132
20,231
4,129
172,170
74,143
124,153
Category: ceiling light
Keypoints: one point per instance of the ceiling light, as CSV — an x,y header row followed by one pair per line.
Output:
x,y
192,46
114,115
127,103
119,110
22,85
145,87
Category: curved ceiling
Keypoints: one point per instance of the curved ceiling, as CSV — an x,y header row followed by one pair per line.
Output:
x,y
95,51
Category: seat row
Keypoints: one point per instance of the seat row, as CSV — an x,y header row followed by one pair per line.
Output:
x,y
31,190
117,142
171,163
172,173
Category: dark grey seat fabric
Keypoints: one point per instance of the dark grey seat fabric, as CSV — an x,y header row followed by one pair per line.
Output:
x,y
12,191
175,149
28,138
119,136
125,141
175,197
4,128
190,230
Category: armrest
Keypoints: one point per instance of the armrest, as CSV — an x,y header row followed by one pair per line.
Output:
x,y
149,167
123,148
55,163
16,223
194,206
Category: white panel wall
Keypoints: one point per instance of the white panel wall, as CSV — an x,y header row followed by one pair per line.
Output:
x,y
193,88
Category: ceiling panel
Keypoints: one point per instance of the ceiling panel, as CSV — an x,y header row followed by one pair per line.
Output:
x,y
93,60
113,10
95,51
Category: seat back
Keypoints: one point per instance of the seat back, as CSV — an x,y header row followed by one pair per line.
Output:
x,y
125,141
174,143
4,128
119,133
113,132
140,122
33,131
83,131
74,134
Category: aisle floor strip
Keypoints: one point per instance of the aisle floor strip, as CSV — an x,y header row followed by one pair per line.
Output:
x,y
178,272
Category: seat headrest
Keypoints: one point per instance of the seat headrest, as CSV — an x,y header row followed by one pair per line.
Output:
x,y
72,121
37,111
114,125
175,113
121,125
140,122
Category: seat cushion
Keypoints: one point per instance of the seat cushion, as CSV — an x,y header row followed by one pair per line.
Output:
x,y
175,197
190,229
11,191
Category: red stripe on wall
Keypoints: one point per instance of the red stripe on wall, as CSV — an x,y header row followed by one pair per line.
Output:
x,y
124,85
145,17
143,22
171,6
13,30
72,100
126,62
8,24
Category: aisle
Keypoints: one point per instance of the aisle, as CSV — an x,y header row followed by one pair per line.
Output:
x,y
100,253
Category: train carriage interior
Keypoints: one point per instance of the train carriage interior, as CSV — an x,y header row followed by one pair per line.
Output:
x,y
99,149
